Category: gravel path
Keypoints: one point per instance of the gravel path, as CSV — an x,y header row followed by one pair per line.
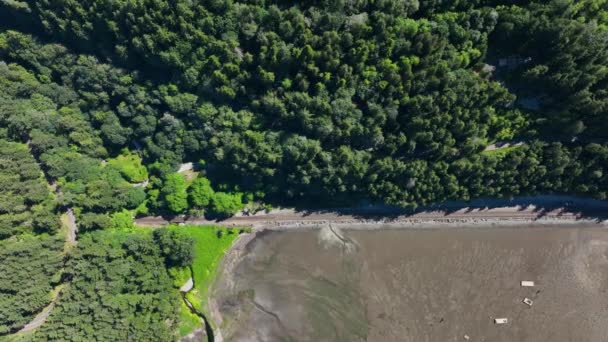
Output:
x,y
141,184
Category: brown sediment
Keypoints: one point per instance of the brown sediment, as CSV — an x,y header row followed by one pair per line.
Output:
x,y
290,220
227,266
418,285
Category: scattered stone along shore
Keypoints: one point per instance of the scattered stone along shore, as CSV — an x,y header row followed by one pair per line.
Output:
x,y
469,216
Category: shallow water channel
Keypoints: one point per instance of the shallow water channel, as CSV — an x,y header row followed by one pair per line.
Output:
x,y
417,285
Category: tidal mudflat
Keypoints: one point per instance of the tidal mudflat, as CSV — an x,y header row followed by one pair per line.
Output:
x,y
417,285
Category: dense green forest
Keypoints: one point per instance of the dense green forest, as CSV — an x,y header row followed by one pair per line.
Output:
x,y
31,258
120,291
30,268
305,103
26,204
383,101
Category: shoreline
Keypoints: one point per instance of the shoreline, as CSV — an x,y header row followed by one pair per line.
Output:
x,y
242,245
290,219
225,269
486,272
548,211
470,223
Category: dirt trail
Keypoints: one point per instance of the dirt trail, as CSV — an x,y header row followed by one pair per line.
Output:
x,y
40,318
72,227
44,314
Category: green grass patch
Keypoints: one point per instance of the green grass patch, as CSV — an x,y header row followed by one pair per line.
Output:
x,y
188,321
18,337
190,176
130,166
501,152
211,243
121,234
180,275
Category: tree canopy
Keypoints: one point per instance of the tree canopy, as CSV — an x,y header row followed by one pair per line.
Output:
x,y
30,268
120,290
105,104
322,102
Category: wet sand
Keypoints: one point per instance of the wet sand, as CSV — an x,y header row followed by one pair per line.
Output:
x,y
415,285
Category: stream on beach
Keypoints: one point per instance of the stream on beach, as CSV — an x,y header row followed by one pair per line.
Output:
x,y
416,285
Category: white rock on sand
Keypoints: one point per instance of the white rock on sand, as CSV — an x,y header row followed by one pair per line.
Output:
x,y
187,286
